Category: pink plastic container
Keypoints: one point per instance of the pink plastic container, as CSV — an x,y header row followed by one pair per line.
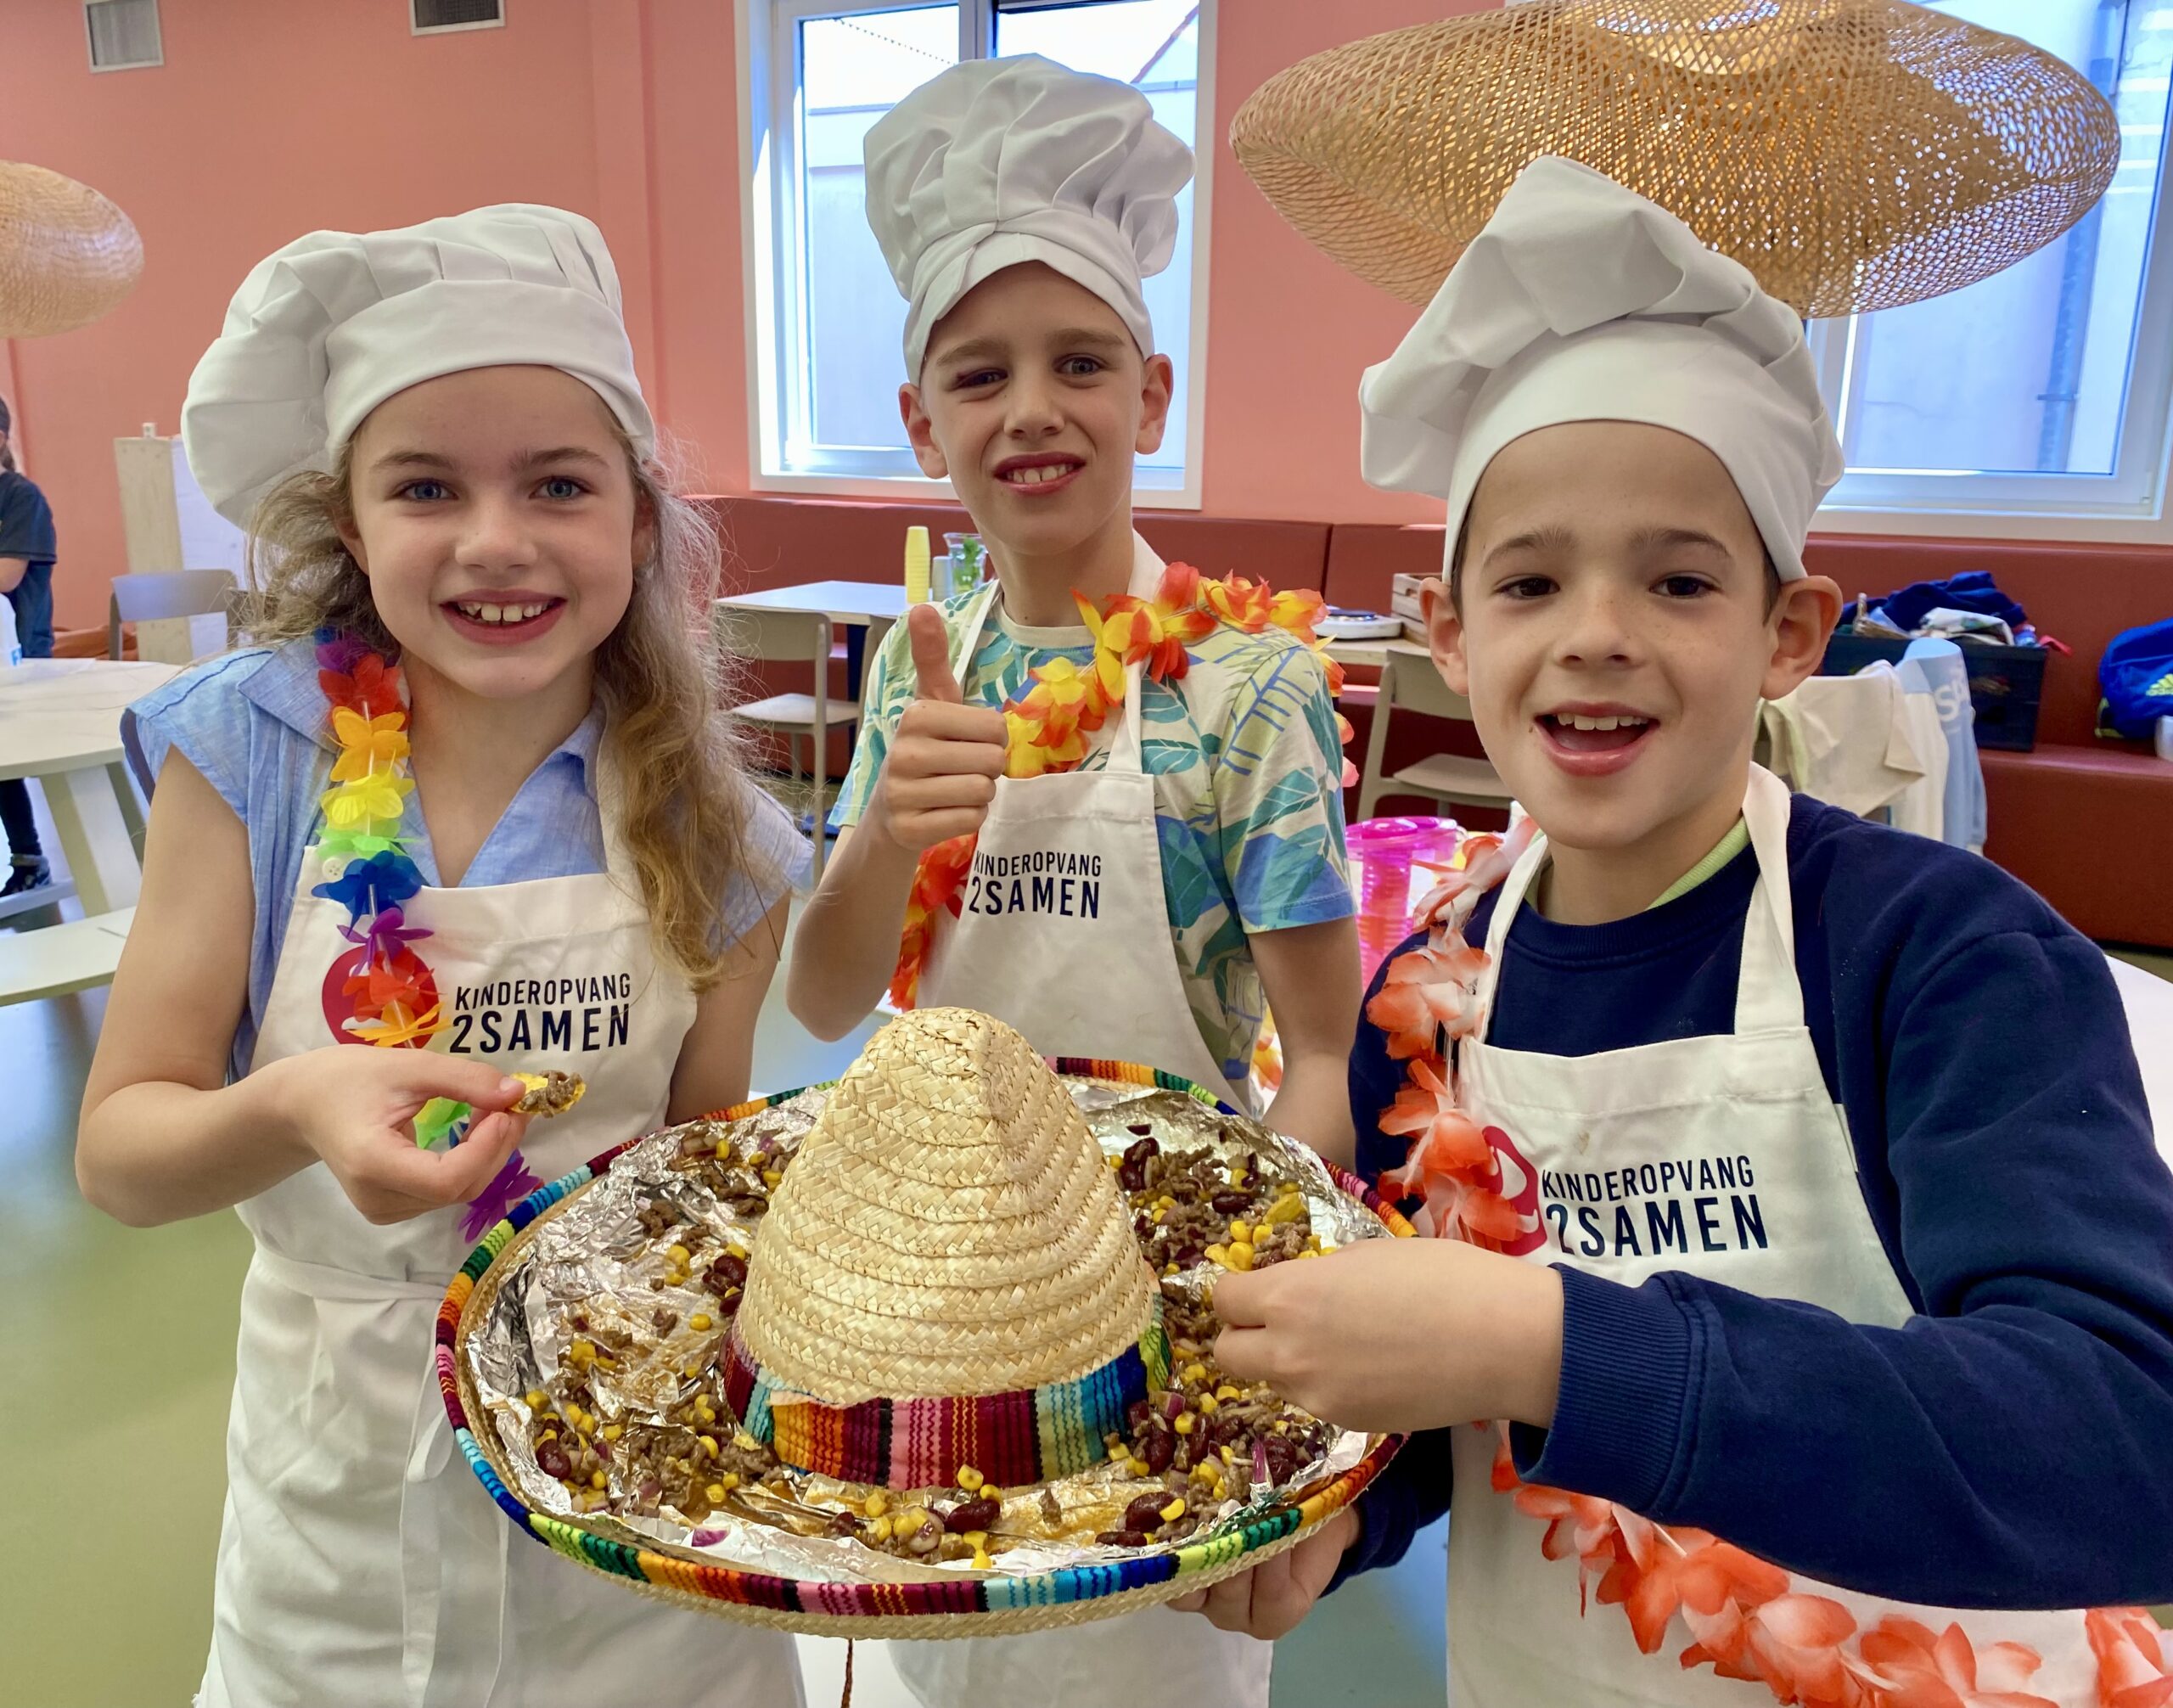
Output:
x,y
1393,863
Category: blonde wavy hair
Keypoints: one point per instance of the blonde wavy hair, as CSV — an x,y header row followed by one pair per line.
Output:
x,y
661,675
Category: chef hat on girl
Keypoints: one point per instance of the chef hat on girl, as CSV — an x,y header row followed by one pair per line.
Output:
x,y
1000,161
325,329
1582,300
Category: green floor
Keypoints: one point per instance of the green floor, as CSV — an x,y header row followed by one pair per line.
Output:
x,y
121,1343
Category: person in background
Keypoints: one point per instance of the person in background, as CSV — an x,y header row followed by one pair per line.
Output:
x,y
26,555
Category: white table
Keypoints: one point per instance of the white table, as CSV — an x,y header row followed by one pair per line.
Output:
x,y
1373,653
865,610
60,722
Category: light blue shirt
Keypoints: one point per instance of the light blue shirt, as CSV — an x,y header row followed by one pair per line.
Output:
x,y
254,723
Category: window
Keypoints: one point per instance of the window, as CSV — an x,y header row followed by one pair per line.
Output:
x,y
826,321
2045,390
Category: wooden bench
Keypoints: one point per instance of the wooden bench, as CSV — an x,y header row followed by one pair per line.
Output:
x,y
62,958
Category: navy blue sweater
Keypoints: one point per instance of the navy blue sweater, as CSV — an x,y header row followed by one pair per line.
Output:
x,y
2011,1447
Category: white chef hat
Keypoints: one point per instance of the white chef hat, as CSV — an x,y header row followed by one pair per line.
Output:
x,y
325,329
1582,300
999,161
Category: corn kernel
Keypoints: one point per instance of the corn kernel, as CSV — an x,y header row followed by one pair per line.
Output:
x,y
1165,1202
1228,1392
736,1250
1174,1511
728,1482
990,1492
1229,1455
680,1257
536,1399
1240,1255
1158,1216
1195,1372
1139,1468
1184,1423
1288,1209
1219,1256
983,1563
969,1479
1202,1471
715,1493
1310,1251
1119,1455
879,1531
700,1322
979,1538
1209,1405
1241,1229
771,1176
611,1432
596,1479
746,1443
1169,1268
1114,1161
581,1352
675,1278
877,1504
710,1446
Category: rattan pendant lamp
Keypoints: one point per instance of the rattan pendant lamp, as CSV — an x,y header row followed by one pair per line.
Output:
x,y
67,255
1854,155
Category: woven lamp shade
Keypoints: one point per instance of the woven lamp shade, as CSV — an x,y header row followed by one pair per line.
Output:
x,y
67,255
949,1228
1854,155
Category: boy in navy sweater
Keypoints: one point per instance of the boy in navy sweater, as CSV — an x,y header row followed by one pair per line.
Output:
x,y
1814,1275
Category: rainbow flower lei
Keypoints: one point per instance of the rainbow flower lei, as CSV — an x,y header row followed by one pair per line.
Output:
x,y
380,991
1748,1619
1051,727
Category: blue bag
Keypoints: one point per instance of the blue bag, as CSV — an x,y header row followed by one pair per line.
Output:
x,y
2136,676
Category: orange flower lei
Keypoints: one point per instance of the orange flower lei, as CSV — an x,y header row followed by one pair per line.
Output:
x,y
1052,725
1745,1616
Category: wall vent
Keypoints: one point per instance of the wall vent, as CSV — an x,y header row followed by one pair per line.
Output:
x,y
441,17
123,34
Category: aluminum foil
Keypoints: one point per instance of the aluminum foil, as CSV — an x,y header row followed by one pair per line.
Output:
x,y
596,1272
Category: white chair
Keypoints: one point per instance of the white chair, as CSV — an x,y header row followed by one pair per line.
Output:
x,y
772,637
1411,683
168,593
62,958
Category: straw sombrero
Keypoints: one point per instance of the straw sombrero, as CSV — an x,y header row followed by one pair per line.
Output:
x,y
946,1276
923,1333
1854,155
67,255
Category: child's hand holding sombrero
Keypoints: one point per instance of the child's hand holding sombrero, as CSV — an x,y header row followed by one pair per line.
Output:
x,y
939,775
1399,1334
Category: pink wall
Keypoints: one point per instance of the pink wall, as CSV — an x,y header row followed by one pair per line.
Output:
x,y
268,119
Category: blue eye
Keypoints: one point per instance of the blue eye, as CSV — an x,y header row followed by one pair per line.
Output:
x,y
425,492
1080,367
563,487
977,377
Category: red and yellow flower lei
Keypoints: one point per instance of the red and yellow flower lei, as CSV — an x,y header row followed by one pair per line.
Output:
x,y
1052,726
1747,1619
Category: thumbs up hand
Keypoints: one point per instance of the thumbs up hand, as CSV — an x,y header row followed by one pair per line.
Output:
x,y
940,774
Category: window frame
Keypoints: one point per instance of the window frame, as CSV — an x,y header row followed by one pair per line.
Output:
x,y
2131,504
768,124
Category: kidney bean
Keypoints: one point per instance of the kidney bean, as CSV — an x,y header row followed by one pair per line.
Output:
x,y
1121,1538
1145,1514
970,1516
1157,1450
552,1460
1132,1172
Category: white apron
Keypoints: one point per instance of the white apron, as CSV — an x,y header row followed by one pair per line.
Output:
x,y
361,1564
1774,1208
1064,934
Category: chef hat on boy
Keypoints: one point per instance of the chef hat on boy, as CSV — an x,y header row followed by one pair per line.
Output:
x,y
325,329
1582,300
1000,161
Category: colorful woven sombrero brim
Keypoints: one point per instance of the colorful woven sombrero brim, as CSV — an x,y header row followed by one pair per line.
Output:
x,y
1028,1435
965,1606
